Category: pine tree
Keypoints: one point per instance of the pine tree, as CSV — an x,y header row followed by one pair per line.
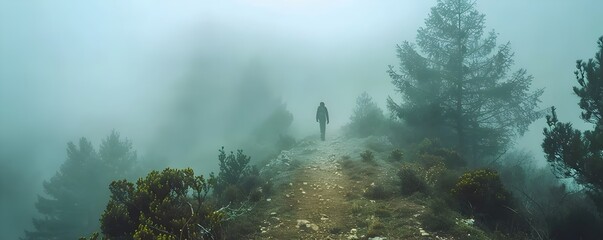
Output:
x,y
77,194
577,154
367,118
456,85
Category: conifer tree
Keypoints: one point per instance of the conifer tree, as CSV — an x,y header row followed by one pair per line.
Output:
x,y
577,154
456,83
77,194
367,118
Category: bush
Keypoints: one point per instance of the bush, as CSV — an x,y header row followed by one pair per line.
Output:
x,y
429,160
433,174
357,170
396,155
367,156
158,206
410,182
446,182
377,192
439,217
236,179
481,192
232,193
431,152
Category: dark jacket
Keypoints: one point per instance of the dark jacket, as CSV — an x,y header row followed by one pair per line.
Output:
x,y
322,114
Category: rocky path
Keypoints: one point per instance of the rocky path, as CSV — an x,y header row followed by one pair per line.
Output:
x,y
321,206
315,198
311,203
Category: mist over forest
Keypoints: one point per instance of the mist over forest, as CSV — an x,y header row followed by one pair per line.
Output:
x,y
168,84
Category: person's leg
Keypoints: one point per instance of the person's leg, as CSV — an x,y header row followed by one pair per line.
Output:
x,y
322,130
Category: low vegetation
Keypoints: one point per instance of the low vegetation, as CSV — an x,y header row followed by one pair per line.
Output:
x,y
171,204
481,194
410,181
396,155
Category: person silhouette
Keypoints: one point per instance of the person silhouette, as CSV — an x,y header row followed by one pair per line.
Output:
x,y
322,117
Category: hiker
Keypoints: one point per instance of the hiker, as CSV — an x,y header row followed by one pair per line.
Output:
x,y
322,116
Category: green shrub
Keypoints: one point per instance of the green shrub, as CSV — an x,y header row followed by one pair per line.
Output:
x,y
377,192
255,195
445,183
410,182
357,170
251,181
232,193
236,179
396,155
433,173
159,207
233,167
428,160
431,152
480,192
367,156
439,217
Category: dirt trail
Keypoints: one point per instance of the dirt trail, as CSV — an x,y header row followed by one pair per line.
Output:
x,y
311,203
315,198
320,198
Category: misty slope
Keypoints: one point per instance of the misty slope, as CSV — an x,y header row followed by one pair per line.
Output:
x,y
324,190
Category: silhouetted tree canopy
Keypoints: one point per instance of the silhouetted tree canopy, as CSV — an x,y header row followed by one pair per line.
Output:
x,y
77,193
456,83
571,152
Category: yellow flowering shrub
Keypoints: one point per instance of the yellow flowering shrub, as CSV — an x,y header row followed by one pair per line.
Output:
x,y
481,193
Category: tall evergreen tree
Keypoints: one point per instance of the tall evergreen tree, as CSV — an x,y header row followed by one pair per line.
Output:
x,y
577,154
77,194
456,83
367,118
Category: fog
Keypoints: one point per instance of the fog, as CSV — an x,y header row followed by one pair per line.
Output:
x,y
170,74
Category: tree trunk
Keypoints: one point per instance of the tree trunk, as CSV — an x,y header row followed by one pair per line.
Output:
x,y
460,127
